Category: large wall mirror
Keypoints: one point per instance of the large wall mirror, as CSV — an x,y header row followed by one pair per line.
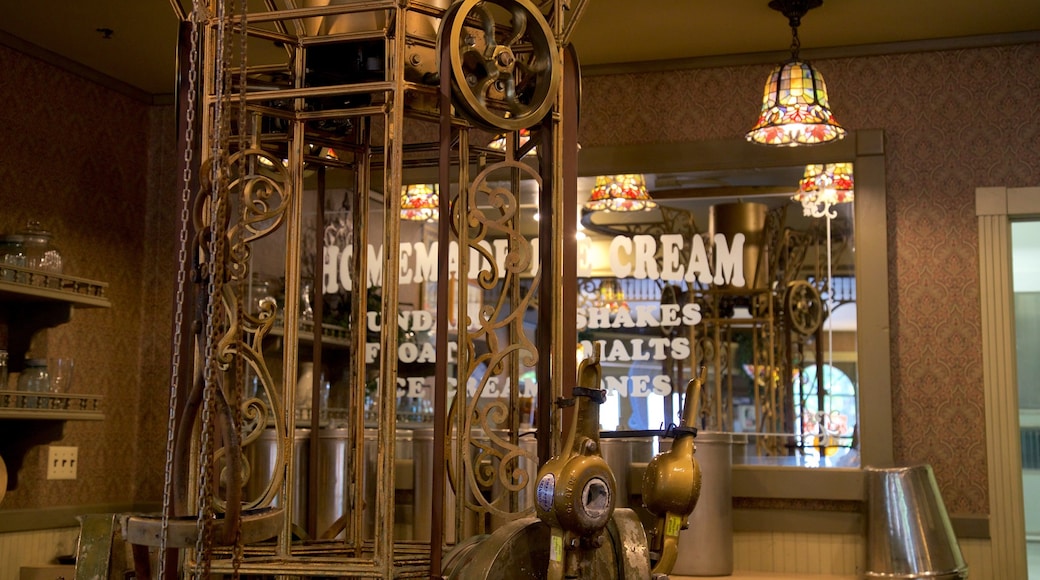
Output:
x,y
804,305
797,357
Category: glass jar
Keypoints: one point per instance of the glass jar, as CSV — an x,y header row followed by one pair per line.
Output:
x,y
12,250
40,253
34,379
3,370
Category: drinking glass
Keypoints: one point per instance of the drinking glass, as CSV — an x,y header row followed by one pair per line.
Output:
x,y
3,369
61,374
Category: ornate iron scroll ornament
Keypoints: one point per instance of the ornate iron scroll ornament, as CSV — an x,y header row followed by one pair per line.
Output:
x,y
234,333
496,468
262,195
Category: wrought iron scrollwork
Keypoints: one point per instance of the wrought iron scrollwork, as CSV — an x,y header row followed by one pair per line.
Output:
x,y
495,466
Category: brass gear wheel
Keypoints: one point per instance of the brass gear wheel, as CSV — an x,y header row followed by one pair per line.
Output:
x,y
505,65
804,306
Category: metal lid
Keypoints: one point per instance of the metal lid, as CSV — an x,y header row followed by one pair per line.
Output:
x,y
35,233
35,362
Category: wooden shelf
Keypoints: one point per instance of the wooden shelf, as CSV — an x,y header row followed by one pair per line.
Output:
x,y
31,300
25,285
50,406
331,335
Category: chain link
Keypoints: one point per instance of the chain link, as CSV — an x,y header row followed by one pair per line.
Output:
x,y
218,210
182,267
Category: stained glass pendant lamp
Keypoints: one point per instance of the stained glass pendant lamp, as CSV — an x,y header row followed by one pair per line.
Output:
x,y
419,202
620,193
795,109
499,144
824,186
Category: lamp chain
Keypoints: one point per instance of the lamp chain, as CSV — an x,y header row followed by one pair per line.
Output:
x,y
796,43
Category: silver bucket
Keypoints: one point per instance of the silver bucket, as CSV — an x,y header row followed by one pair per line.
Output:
x,y
908,531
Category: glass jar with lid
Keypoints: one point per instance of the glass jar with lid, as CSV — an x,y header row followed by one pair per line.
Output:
x,y
40,252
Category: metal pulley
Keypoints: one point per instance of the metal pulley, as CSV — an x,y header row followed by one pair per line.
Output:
x,y
505,65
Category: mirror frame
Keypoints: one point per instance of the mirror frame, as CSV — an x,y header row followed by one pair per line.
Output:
x,y
824,487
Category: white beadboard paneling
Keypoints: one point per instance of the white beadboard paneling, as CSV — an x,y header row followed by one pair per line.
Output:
x,y
798,553
978,555
830,555
34,548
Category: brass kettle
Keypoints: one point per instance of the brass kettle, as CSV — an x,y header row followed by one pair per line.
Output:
x,y
576,491
672,483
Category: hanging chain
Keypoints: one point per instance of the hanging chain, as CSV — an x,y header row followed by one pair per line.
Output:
x,y
796,43
182,266
237,387
217,210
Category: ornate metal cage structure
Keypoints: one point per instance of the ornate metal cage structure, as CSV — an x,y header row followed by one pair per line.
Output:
x,y
287,104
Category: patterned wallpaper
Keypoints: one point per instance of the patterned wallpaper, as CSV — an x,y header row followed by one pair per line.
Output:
x,y
80,158
100,168
953,121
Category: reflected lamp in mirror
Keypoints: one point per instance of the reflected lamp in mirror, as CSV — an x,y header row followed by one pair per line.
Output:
x,y
824,186
499,144
611,295
795,108
620,193
419,202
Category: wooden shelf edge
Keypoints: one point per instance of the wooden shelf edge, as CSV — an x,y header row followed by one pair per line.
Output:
x,y
33,285
48,415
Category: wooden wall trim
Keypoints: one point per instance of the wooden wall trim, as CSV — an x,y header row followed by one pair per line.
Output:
x,y
64,516
999,380
811,521
813,54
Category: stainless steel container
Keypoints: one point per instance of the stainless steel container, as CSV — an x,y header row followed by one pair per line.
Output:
x,y
405,482
908,531
263,460
422,469
706,547
334,479
749,219
627,458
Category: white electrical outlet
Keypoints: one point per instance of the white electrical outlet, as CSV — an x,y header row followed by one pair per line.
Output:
x,y
62,462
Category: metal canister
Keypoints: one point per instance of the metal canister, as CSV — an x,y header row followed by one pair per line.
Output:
x,y
405,483
749,220
627,458
706,548
263,460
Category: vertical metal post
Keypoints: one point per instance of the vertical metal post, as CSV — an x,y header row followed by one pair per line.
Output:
x,y
392,168
316,377
359,308
440,386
